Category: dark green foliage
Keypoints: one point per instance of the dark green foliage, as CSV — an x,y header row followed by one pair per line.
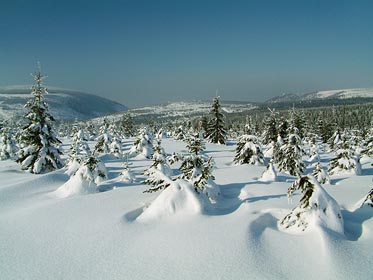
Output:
x,y
289,158
127,125
295,216
216,132
248,150
270,130
196,167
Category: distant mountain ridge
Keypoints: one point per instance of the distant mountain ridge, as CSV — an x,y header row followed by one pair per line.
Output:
x,y
64,104
339,94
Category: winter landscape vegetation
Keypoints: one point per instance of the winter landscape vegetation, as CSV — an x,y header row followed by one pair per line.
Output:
x,y
218,193
186,139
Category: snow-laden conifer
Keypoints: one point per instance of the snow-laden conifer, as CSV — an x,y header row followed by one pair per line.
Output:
x,y
249,150
197,168
126,175
8,146
159,173
367,147
315,208
179,133
127,125
79,151
38,141
104,139
320,174
216,132
344,161
143,143
290,159
91,172
270,129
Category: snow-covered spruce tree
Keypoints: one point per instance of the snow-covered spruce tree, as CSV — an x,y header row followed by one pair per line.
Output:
x,y
290,159
324,129
249,150
335,140
79,151
159,173
127,175
216,132
104,139
179,133
197,168
116,147
38,152
91,131
143,143
320,174
270,130
8,146
344,160
368,144
315,208
85,180
313,149
297,119
283,130
127,125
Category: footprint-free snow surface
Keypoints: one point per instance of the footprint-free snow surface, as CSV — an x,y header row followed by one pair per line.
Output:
x,y
117,233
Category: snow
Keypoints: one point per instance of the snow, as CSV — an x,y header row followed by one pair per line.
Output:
x,y
180,198
123,233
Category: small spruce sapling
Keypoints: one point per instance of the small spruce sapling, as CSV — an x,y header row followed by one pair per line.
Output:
x,y
159,173
320,174
143,143
315,208
127,175
249,150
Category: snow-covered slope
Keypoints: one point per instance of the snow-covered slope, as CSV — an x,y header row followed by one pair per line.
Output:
x,y
64,104
123,233
326,94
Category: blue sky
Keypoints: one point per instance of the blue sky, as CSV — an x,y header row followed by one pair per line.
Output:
x,y
142,52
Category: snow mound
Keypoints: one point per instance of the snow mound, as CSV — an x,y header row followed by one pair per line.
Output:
x,y
316,209
180,198
269,175
77,185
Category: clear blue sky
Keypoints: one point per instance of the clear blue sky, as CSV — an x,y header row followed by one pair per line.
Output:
x,y
142,52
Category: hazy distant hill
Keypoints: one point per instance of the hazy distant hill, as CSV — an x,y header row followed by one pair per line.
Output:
x,y
64,104
339,94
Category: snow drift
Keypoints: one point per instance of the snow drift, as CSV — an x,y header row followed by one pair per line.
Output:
x,y
180,198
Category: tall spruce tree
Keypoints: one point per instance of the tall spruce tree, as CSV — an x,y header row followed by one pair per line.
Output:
x,y
38,141
216,132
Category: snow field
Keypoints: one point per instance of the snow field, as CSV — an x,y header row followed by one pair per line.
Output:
x,y
119,233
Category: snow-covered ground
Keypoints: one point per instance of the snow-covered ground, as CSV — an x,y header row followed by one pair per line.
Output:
x,y
111,235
